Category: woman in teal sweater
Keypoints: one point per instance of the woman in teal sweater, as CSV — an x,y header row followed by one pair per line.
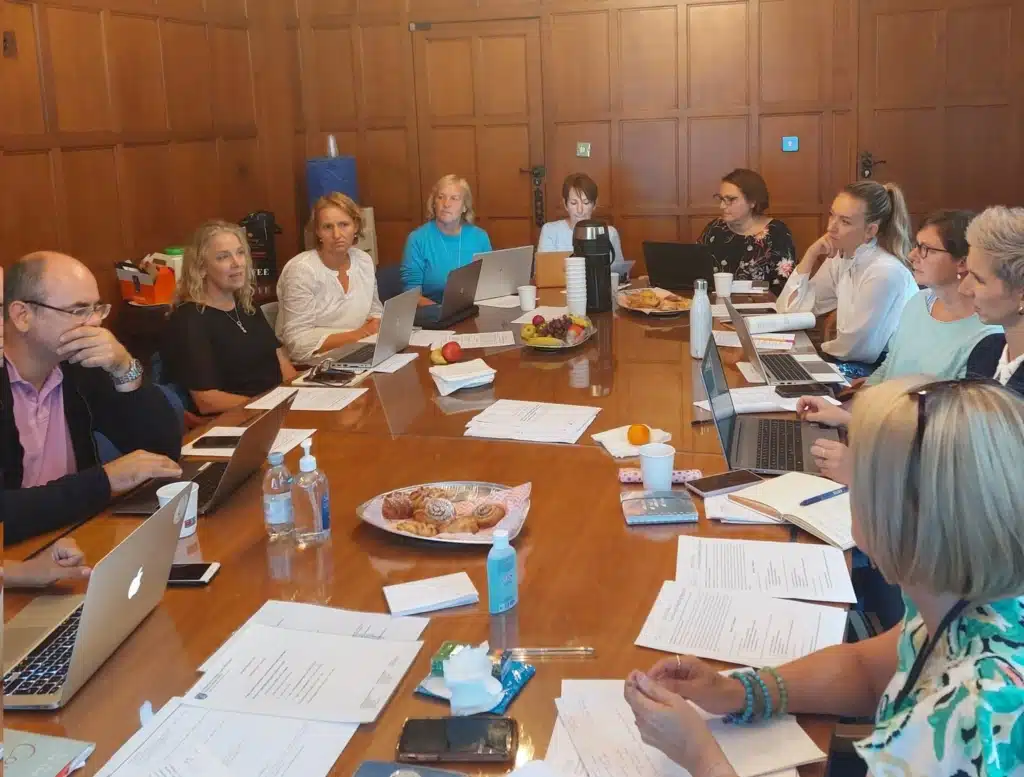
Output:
x,y
447,241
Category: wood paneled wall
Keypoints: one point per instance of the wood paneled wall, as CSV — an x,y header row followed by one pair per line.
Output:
x,y
125,123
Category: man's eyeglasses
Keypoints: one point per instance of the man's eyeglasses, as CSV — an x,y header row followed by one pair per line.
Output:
x,y
82,312
727,200
924,249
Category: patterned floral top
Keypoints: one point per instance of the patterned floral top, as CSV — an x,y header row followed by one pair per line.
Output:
x,y
767,256
965,717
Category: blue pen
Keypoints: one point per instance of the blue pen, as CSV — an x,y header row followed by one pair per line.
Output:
x,y
813,500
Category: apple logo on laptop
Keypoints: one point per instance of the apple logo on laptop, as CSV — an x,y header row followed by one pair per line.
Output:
x,y
136,584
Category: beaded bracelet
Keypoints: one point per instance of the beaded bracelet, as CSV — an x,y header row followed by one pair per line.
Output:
x,y
783,693
767,712
748,705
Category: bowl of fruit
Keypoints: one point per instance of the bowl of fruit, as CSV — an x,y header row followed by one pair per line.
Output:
x,y
557,334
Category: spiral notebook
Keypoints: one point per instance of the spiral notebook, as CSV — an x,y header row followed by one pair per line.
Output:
x,y
830,521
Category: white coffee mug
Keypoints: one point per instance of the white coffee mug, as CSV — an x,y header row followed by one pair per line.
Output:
x,y
723,284
166,493
527,297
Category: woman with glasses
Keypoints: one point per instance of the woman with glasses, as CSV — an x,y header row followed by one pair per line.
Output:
x,y
858,269
995,284
218,346
447,241
946,686
744,241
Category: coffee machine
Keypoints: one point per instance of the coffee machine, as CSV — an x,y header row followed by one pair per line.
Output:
x,y
591,239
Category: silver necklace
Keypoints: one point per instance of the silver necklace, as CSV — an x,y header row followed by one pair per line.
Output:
x,y
237,319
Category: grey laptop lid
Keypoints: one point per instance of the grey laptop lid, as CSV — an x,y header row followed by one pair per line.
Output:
x,y
460,289
503,272
749,349
716,386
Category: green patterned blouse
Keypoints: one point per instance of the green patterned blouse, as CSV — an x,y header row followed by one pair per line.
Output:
x,y
965,716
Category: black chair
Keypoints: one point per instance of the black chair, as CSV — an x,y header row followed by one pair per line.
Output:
x,y
389,281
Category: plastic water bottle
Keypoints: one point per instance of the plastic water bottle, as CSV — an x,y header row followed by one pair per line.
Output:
x,y
278,514
700,319
311,498
502,575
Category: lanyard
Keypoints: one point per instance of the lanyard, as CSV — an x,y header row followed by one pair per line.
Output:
x,y
929,647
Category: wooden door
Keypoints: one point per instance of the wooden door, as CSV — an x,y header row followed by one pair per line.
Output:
x,y
478,105
940,99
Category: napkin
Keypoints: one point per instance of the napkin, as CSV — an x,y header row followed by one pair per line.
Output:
x,y
617,444
473,687
450,378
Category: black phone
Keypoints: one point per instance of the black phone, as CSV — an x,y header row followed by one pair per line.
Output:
x,y
726,483
482,738
216,441
797,390
193,574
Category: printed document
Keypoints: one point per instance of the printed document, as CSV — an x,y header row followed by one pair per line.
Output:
x,y
308,398
510,419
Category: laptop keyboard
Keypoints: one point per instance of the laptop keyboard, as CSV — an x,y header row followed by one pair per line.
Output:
x,y
362,355
785,367
780,445
45,669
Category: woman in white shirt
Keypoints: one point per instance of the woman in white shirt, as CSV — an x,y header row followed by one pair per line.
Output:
x,y
995,282
579,198
328,296
857,268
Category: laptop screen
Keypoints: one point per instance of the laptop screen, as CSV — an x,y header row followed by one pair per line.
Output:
x,y
712,374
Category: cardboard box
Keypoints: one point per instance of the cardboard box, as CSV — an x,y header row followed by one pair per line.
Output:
x,y
146,288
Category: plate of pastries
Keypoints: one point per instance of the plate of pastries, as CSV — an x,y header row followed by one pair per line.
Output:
x,y
455,512
654,302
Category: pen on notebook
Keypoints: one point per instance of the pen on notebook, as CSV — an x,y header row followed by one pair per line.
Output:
x,y
822,497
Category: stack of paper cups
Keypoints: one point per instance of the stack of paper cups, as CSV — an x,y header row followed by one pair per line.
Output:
x,y
576,285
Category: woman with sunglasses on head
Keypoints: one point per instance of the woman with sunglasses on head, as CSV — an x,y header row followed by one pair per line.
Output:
x,y
744,241
218,345
857,268
946,686
995,284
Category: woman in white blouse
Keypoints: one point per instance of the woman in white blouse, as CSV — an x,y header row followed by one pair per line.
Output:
x,y
579,198
857,268
328,297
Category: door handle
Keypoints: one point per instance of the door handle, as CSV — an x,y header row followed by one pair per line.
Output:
x,y
868,163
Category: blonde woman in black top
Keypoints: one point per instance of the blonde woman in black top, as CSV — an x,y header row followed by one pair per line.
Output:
x,y
219,347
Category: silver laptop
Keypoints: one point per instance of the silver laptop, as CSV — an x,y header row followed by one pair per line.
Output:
x,y
217,480
767,445
54,645
394,335
503,272
781,369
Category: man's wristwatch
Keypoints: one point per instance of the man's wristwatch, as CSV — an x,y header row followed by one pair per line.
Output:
x,y
133,373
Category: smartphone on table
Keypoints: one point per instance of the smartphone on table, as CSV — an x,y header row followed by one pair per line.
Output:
x,y
198,574
483,739
212,441
797,390
725,483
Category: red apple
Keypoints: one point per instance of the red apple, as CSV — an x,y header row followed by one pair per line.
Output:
x,y
538,320
451,351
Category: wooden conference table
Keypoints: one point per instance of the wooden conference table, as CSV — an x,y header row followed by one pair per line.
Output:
x,y
586,578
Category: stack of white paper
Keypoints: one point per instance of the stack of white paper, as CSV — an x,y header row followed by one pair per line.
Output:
x,y
511,301
775,342
787,570
761,399
779,322
745,629
510,419
434,593
596,735
720,311
308,398
421,338
449,378
722,508
479,339
544,311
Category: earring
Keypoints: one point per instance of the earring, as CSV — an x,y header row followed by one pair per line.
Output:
x,y
1020,310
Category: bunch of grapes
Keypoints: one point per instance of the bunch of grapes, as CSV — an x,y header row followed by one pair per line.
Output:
x,y
559,327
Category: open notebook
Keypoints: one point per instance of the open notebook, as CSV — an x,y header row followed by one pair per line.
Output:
x,y
829,521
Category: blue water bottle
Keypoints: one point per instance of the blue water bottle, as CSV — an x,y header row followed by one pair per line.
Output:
x,y
502,575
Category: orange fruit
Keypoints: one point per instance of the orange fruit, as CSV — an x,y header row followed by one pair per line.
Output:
x,y
639,434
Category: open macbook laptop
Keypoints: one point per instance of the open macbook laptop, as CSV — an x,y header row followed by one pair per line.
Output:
x,y
219,479
767,445
54,645
678,265
782,369
393,337
457,302
503,272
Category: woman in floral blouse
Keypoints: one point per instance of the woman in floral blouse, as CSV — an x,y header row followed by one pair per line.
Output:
x,y
936,499
743,240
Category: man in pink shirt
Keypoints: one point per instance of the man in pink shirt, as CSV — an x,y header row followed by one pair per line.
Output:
x,y
64,378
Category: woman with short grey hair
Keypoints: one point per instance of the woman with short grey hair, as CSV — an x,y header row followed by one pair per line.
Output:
x,y
995,281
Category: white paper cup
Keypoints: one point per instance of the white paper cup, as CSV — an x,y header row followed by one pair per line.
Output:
x,y
577,307
615,282
656,463
527,297
166,493
723,284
